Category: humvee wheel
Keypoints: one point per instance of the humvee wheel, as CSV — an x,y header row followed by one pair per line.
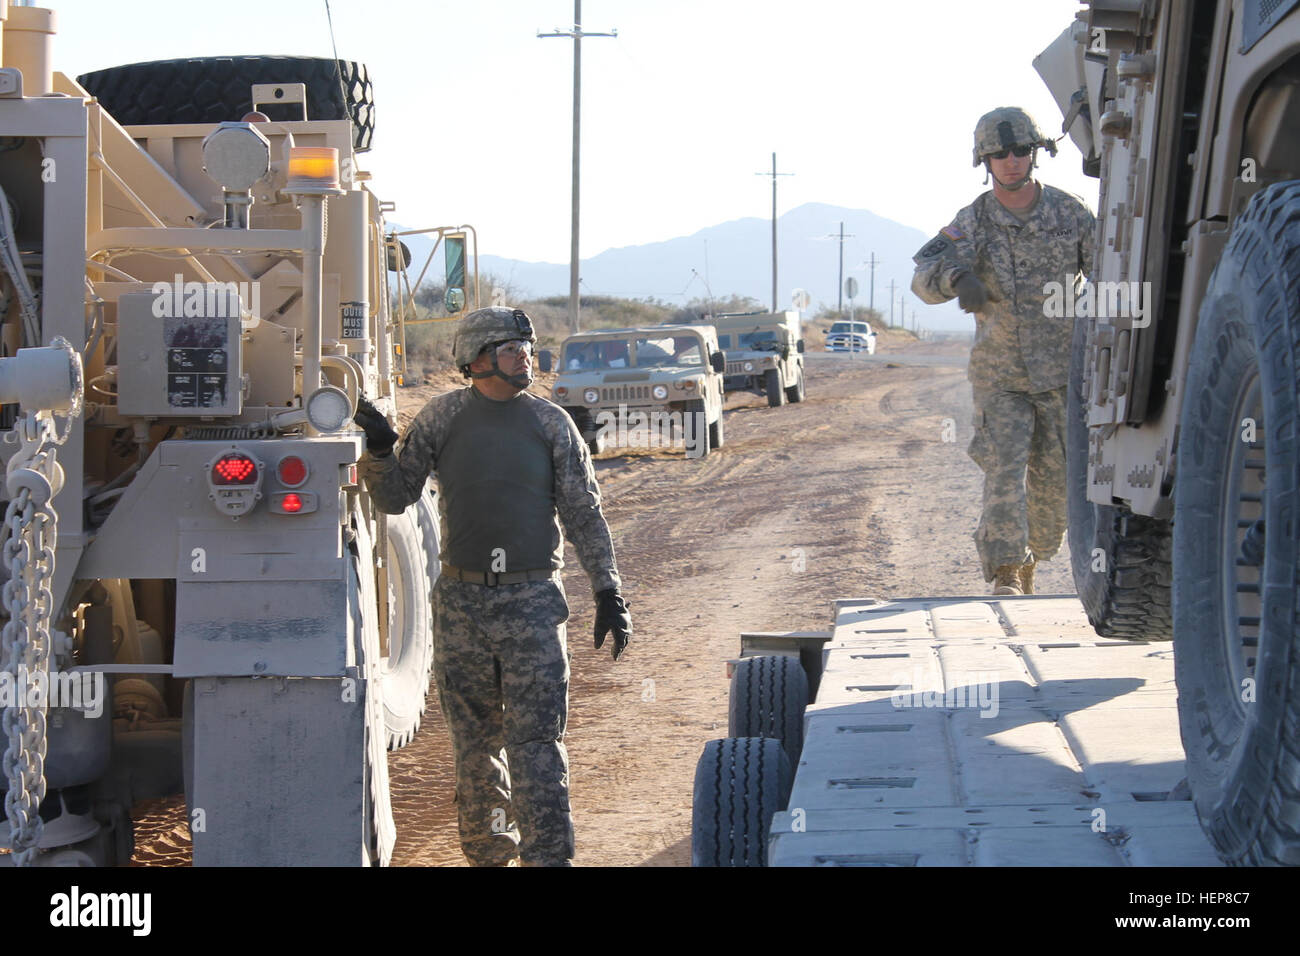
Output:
x,y
716,435
772,386
794,394
1237,622
768,697
696,432
405,671
219,88
1122,562
740,784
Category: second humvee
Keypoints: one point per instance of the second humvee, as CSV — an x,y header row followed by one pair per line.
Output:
x,y
643,387
764,354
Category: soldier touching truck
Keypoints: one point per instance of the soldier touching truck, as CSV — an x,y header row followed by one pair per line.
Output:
x,y
1002,257
507,463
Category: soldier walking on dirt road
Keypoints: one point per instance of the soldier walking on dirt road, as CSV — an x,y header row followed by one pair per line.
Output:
x,y
1003,257
507,463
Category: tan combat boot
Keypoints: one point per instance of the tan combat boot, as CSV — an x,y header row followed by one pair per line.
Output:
x,y
1006,580
1027,576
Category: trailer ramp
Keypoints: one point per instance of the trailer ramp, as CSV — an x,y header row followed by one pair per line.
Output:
x,y
988,732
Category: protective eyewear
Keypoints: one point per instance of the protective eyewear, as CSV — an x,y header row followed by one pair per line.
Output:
x,y
1020,152
512,350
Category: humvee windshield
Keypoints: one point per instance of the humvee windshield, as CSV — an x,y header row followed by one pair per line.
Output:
x,y
724,340
762,340
606,353
672,350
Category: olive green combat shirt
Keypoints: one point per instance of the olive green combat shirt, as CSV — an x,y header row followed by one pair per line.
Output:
x,y
1017,346
505,470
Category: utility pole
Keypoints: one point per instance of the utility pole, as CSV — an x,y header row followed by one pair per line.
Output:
x,y
891,301
576,34
839,307
774,174
873,281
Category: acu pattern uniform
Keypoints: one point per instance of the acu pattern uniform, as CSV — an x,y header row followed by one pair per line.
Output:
x,y
1020,362
505,469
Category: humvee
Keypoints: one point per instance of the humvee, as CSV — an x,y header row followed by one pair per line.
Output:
x,y
1182,435
645,387
764,354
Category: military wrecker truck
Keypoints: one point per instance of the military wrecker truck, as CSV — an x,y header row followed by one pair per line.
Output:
x,y
654,387
1183,443
764,354
200,235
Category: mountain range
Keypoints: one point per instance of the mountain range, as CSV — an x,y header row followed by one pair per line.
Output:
x,y
735,258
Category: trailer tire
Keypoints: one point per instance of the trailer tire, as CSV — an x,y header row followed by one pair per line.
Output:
x,y
768,697
740,785
1122,563
405,671
795,393
1239,693
216,89
772,386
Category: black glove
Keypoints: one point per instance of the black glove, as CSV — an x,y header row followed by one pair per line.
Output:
x,y
612,614
971,293
380,436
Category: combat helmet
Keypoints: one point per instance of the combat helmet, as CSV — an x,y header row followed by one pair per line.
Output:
x,y
490,326
1005,127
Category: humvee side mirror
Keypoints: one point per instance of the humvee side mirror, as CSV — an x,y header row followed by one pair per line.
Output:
x,y
393,257
544,360
719,361
454,251
800,346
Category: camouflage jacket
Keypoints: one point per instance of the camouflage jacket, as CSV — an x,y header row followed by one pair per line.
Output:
x,y
505,470
1018,345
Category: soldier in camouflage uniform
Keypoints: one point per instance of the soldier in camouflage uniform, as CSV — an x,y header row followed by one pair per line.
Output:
x,y
507,463
1003,257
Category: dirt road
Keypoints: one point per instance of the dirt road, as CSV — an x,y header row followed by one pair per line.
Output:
x,y
864,489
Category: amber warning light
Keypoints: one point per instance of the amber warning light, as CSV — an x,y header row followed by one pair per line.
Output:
x,y
234,469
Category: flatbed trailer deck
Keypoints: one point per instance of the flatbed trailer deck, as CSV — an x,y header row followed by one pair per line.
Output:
x,y
982,731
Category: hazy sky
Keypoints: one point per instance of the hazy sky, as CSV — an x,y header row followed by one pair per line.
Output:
x,y
871,104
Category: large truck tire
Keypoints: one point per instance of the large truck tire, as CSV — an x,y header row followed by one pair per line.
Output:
x,y
1237,497
772,386
740,785
1122,562
405,671
219,88
768,698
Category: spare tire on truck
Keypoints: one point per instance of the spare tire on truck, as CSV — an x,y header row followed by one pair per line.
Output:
x,y
219,89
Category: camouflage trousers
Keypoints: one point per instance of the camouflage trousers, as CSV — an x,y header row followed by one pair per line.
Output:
x,y
1019,444
502,671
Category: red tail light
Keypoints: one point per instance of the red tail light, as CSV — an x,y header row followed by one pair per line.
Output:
x,y
292,471
291,503
234,468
